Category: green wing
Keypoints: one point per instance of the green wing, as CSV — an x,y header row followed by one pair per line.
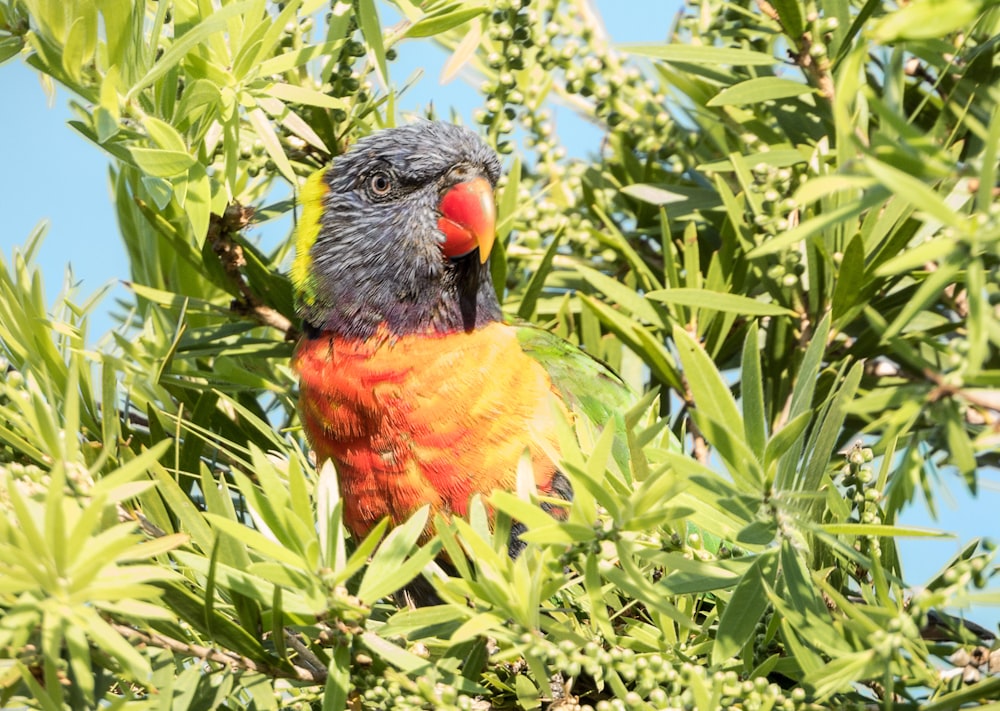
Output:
x,y
588,386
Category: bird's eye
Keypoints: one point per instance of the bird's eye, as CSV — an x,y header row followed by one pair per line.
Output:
x,y
379,184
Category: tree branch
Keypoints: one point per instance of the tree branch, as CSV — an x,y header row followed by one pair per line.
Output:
x,y
230,659
221,231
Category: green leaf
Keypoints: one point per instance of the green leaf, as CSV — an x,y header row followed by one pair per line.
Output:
x,y
266,38
213,23
372,30
787,437
440,22
752,388
78,651
290,93
753,91
850,278
81,41
198,202
397,560
537,282
843,673
802,398
653,351
745,608
507,207
464,52
823,439
164,135
801,593
978,322
265,130
160,163
287,61
397,656
692,54
105,124
790,15
928,292
623,296
338,680
134,665
964,697
872,529
653,194
716,411
718,301
963,455
824,186
10,47
256,540
915,191
820,223
927,19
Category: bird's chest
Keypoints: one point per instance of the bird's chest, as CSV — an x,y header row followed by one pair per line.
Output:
x,y
423,419
371,404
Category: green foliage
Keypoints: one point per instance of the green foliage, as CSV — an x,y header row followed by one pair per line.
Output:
x,y
789,241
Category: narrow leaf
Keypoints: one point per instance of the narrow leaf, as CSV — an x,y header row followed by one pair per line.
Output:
x,y
372,30
744,609
754,91
718,301
752,388
692,54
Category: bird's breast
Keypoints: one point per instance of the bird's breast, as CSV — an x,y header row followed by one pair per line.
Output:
x,y
424,419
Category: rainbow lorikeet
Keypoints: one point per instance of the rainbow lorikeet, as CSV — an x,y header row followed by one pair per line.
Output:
x,y
410,381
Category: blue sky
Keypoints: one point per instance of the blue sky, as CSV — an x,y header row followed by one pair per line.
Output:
x,y
52,173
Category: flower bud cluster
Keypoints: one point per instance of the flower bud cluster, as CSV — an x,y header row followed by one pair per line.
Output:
x,y
551,47
858,475
511,34
778,213
655,680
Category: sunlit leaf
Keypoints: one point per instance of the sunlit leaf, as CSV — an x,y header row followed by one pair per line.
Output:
x,y
701,55
752,91
718,301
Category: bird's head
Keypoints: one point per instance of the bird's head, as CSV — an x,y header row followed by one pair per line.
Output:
x,y
396,234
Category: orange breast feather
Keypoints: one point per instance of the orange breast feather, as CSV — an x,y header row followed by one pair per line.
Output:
x,y
424,419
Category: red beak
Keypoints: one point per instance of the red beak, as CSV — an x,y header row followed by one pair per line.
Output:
x,y
468,219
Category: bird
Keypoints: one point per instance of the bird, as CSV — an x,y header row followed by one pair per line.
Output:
x,y
410,379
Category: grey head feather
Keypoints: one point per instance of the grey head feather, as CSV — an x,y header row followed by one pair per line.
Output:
x,y
377,259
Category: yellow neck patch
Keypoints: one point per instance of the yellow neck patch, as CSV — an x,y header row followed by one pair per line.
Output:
x,y
311,200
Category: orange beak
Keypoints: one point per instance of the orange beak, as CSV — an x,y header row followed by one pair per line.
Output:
x,y
468,219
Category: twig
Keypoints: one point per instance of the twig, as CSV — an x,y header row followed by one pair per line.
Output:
x,y
700,443
147,526
309,659
817,68
266,316
221,230
768,9
805,336
230,659
981,397
700,449
959,298
985,398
